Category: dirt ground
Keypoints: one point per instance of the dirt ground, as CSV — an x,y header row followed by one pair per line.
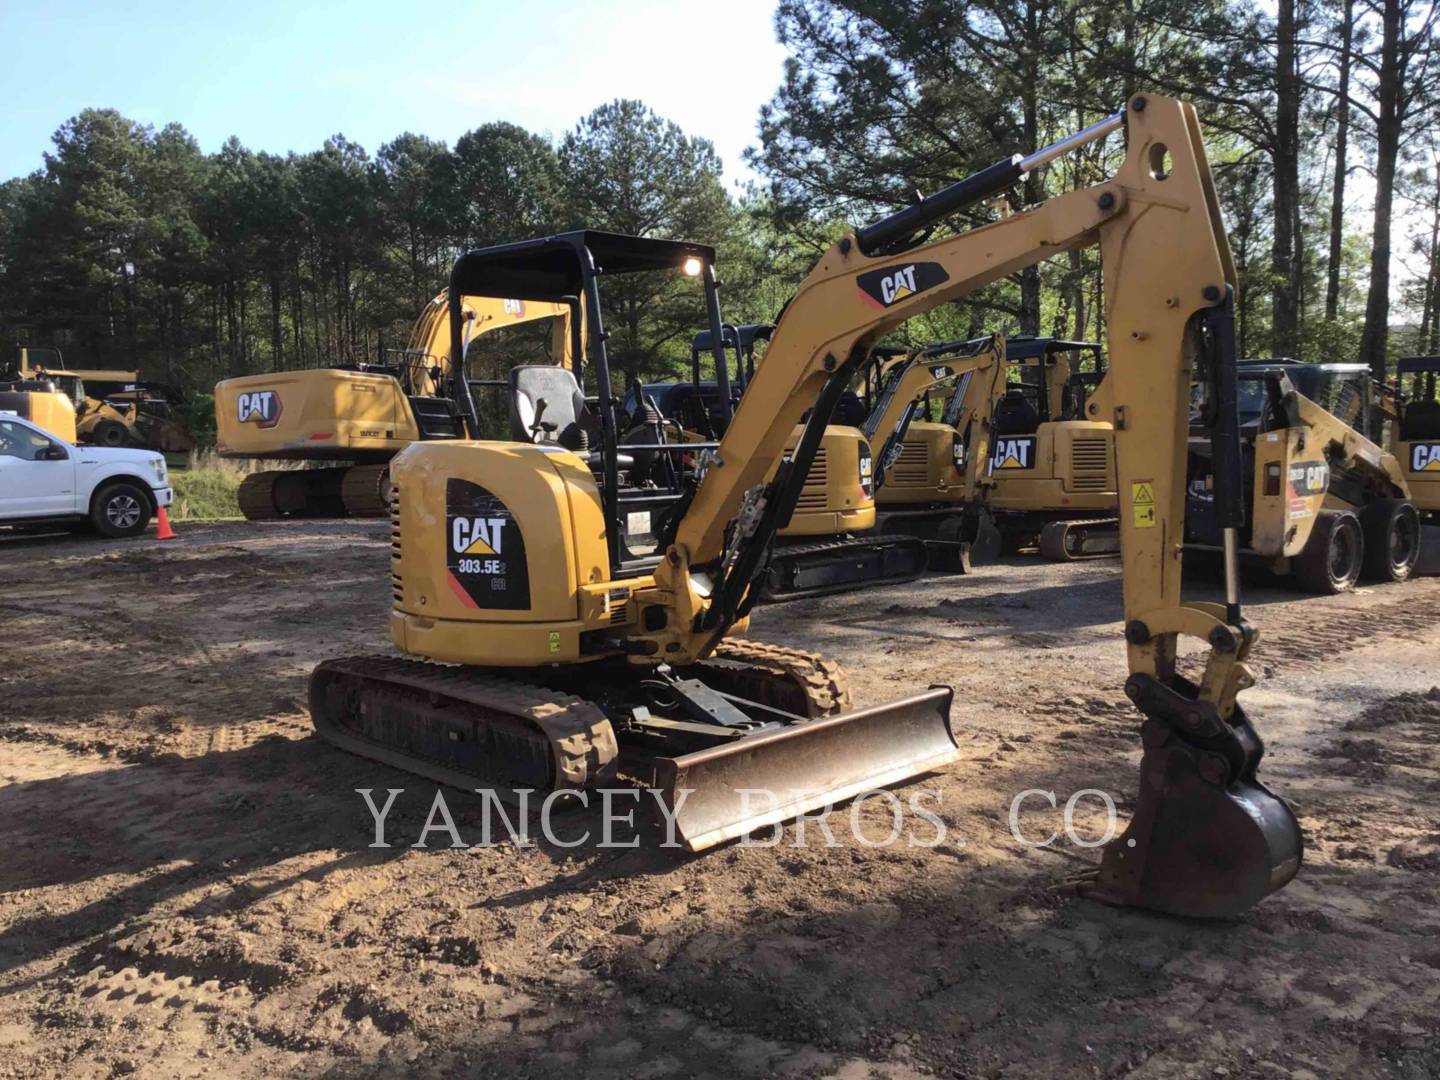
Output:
x,y
187,886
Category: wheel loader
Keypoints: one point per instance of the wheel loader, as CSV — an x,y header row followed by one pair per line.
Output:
x,y
543,654
1415,442
128,412
346,422
1327,505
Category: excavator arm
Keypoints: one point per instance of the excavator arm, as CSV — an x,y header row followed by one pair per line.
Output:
x,y
428,370
1207,838
905,379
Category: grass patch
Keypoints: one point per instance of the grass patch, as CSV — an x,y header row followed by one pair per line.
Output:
x,y
206,486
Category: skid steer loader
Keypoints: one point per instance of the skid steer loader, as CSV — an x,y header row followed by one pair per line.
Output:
x,y
1328,505
346,422
1415,442
547,655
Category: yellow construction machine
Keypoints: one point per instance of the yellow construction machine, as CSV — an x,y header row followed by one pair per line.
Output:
x,y
931,478
349,421
1415,442
1327,504
127,412
830,543
41,401
604,661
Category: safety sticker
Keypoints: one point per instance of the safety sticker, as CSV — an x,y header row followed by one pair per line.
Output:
x,y
1142,504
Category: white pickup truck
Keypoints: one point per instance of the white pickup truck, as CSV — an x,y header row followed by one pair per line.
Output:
x,y
46,479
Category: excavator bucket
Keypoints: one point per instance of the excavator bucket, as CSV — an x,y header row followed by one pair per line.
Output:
x,y
727,791
1198,845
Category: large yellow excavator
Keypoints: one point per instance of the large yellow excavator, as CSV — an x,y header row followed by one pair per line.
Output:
x,y
349,421
508,556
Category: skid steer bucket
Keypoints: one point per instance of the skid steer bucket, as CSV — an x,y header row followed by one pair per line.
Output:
x,y
734,789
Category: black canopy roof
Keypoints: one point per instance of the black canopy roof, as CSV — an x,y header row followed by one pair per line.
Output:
x,y
549,268
1409,364
1028,347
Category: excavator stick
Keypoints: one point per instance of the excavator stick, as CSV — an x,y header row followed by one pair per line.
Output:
x,y
727,791
1207,839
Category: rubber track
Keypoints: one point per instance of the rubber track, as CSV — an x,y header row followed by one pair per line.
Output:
x,y
823,682
1053,538
582,741
854,543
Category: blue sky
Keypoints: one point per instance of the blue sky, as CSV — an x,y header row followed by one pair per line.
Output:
x,y
284,76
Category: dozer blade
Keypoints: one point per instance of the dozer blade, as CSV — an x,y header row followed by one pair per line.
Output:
x,y
831,566
764,779
1198,846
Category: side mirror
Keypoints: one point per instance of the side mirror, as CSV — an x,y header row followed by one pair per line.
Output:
x,y
53,453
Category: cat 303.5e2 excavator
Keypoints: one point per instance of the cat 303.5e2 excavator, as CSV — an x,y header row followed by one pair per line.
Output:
x,y
349,421
512,556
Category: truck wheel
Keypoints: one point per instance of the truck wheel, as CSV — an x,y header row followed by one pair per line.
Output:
x,y
110,433
1331,560
120,510
1392,539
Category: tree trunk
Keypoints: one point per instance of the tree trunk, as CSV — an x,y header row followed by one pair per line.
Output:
x,y
1284,258
1375,336
1342,145
277,345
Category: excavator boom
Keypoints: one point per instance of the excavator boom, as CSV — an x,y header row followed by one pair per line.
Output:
x,y
1207,837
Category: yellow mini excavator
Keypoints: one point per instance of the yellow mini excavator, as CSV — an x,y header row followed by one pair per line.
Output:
x,y
932,476
1327,504
349,421
545,653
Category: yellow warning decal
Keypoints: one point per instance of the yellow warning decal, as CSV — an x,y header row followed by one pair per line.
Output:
x,y
1142,509
554,641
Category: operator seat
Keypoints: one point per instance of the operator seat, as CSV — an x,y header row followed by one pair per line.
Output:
x,y
1014,415
548,408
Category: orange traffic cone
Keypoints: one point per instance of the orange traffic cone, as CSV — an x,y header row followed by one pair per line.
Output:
x,y
162,525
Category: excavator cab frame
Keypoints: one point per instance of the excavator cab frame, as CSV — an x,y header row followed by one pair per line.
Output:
x,y
563,269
